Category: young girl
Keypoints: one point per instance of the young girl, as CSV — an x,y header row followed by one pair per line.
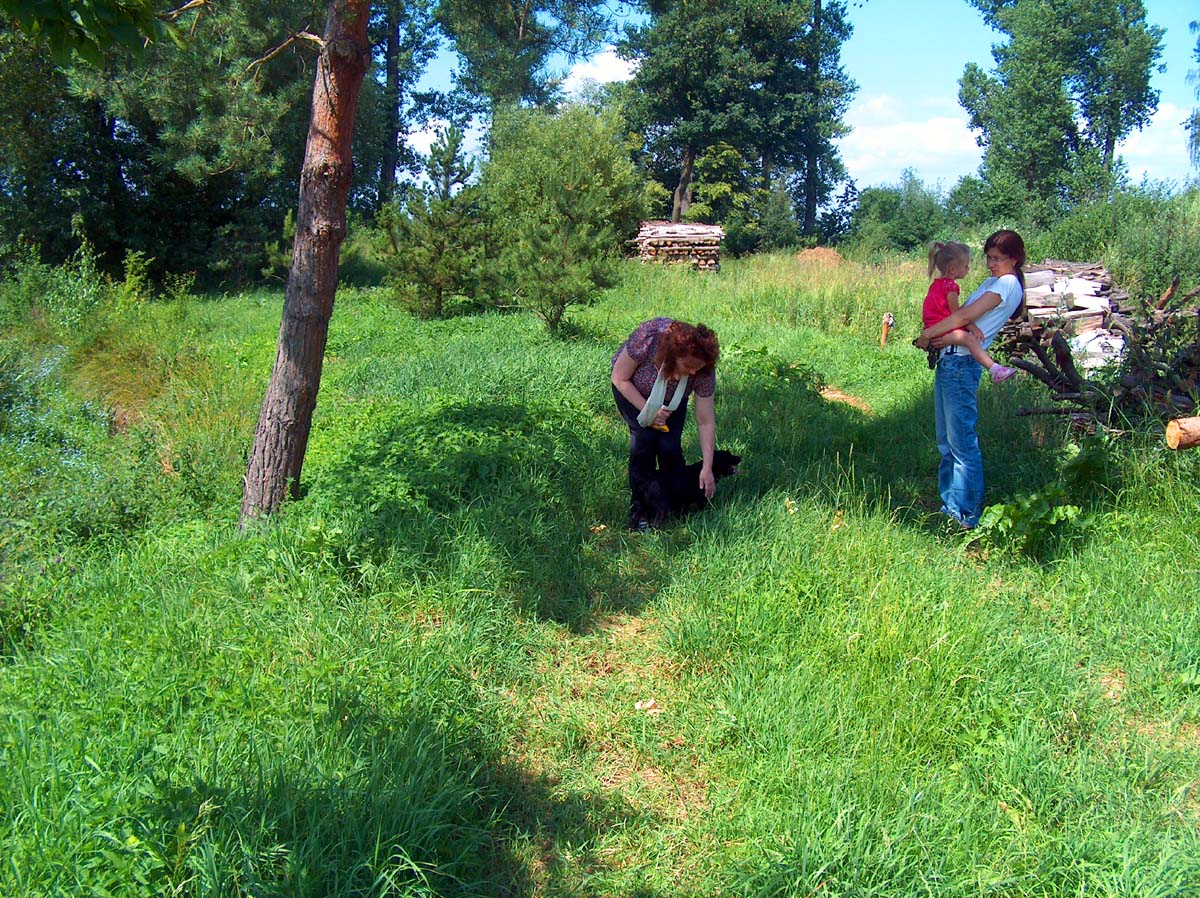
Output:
x,y
952,261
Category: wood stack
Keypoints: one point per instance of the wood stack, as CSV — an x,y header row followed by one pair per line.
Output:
x,y
1073,296
698,245
1159,375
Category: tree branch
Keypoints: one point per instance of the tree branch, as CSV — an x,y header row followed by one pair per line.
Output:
x,y
296,36
176,14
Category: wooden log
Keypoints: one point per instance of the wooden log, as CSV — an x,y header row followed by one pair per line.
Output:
x,y
1183,433
1167,294
888,321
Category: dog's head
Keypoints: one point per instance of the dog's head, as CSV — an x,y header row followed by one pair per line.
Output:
x,y
725,463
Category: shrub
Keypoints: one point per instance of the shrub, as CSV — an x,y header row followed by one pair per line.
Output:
x,y
561,196
907,216
1145,235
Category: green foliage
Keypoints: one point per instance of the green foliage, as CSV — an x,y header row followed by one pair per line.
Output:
x,y
1072,81
906,217
436,236
561,256
780,229
277,254
1033,523
1026,524
760,77
772,371
134,290
837,219
506,46
1144,235
68,302
444,664
561,195
88,27
185,151
725,193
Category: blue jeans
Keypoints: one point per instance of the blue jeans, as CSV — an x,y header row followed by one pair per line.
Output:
x,y
956,411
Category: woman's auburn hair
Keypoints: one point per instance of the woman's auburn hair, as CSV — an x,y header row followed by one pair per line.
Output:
x,y
681,340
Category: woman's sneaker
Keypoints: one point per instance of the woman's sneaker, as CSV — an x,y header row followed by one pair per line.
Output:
x,y
1000,373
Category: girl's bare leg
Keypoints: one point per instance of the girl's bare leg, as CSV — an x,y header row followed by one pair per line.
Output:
x,y
997,372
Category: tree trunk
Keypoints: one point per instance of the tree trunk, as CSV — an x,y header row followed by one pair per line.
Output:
x,y
812,148
683,193
281,437
1183,433
391,139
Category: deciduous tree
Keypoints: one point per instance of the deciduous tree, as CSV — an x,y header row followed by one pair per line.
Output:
x,y
1071,82
762,77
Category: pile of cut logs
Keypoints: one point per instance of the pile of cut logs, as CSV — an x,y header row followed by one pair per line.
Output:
x,y
1159,376
698,245
1070,295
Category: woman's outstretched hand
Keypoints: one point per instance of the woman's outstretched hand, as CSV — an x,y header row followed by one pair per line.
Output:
x,y
708,483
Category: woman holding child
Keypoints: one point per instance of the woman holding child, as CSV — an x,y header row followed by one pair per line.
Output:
x,y
956,382
661,363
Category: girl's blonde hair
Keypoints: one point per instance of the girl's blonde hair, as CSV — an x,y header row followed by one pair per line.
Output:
x,y
942,254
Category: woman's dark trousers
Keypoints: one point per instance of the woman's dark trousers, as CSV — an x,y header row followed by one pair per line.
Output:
x,y
650,450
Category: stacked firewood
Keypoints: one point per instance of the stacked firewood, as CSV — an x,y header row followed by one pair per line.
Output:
x,y
1073,295
1158,375
698,245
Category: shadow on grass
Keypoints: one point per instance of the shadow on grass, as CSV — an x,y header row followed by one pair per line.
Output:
x,y
531,496
374,803
812,449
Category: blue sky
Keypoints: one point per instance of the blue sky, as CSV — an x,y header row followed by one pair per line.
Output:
x,y
906,112
907,58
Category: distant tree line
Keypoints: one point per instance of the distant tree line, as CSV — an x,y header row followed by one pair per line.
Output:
x,y
179,135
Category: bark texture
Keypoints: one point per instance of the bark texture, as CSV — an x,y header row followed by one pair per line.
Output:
x,y
682,197
281,437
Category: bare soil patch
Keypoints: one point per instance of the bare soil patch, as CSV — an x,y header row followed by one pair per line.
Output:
x,y
833,394
821,257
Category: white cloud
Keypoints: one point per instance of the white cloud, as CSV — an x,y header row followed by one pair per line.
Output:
x,y
1159,151
422,141
890,135
931,136
602,68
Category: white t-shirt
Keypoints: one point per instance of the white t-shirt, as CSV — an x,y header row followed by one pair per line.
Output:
x,y
990,322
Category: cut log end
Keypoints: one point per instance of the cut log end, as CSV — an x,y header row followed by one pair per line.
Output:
x,y
1183,433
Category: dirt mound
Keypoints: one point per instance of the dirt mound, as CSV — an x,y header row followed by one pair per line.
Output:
x,y
820,256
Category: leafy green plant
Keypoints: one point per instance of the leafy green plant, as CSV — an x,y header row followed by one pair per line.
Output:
x,y
134,289
1027,523
771,369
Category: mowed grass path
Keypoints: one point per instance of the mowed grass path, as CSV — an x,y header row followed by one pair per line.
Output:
x,y
448,671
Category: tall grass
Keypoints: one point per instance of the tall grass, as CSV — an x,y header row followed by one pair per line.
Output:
x,y
446,670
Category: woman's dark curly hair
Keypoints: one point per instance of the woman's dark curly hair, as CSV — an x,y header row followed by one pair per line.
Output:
x,y
681,340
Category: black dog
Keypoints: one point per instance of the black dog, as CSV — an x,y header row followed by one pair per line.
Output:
x,y
675,491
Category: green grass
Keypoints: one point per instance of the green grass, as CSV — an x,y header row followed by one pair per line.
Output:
x,y
448,671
